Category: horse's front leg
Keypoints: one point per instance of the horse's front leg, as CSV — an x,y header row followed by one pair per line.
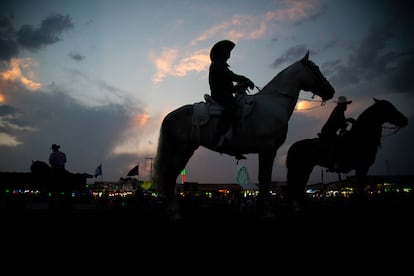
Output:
x,y
173,208
173,205
264,202
166,185
361,185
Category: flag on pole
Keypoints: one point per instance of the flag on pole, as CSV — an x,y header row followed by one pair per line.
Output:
x,y
98,170
134,171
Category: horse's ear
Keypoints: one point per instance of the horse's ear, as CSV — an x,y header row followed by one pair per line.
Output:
x,y
375,99
306,57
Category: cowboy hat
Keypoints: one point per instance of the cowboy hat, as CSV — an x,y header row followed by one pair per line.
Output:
x,y
343,100
221,49
55,147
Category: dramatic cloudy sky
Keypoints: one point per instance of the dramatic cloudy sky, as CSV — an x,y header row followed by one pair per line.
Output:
x,y
97,77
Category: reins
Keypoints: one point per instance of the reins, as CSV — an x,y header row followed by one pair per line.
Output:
x,y
396,129
311,100
302,99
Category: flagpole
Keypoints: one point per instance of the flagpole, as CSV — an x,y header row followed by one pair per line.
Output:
x,y
151,160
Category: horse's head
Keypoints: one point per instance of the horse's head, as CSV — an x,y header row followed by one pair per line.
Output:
x,y
314,81
390,113
39,167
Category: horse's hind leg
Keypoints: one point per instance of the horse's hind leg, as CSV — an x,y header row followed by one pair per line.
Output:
x,y
297,177
361,185
264,204
180,158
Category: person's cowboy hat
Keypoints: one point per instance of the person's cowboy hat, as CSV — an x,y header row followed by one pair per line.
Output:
x,y
343,100
55,147
221,49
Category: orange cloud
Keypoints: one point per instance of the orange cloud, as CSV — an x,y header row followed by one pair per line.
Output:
x,y
140,119
171,63
256,26
163,63
197,61
166,64
15,73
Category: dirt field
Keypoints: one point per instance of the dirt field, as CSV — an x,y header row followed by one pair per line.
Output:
x,y
332,234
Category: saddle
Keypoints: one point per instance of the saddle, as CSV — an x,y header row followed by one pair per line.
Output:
x,y
338,153
203,111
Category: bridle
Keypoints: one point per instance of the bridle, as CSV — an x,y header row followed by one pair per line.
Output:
x,y
395,130
318,76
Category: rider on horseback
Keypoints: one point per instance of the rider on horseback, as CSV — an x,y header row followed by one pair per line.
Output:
x,y
221,80
334,128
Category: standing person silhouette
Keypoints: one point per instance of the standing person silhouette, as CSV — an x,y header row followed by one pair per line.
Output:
x,y
57,160
223,85
334,128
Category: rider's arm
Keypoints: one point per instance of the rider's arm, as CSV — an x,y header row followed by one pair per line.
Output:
x,y
239,79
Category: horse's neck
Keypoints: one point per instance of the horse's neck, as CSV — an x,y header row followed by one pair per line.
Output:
x,y
368,127
281,97
41,164
286,83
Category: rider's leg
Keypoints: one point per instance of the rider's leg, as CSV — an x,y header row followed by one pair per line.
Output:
x,y
223,132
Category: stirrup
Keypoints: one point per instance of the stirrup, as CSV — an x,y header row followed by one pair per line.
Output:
x,y
228,135
220,143
225,138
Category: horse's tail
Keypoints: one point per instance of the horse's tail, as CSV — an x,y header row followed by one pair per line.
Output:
x,y
161,165
174,149
302,153
294,156
300,161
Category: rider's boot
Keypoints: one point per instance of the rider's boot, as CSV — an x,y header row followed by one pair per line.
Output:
x,y
225,139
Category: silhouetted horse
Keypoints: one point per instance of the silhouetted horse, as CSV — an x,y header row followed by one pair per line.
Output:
x,y
57,186
356,150
261,128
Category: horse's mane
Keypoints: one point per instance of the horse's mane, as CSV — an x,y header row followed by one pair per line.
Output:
x,y
368,126
267,88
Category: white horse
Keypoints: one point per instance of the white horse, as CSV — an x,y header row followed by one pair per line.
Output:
x,y
260,127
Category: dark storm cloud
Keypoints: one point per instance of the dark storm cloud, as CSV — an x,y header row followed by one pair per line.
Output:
x,y
293,53
8,47
30,37
11,121
87,135
76,56
6,110
400,78
379,55
47,33
298,51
